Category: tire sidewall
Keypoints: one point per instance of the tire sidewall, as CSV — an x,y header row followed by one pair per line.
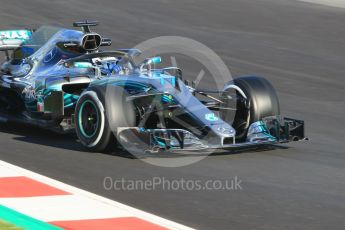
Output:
x,y
98,141
262,98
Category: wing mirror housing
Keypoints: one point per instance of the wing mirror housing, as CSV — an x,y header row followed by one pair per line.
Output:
x,y
82,65
154,60
146,64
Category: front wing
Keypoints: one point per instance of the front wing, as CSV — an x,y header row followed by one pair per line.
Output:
x,y
269,131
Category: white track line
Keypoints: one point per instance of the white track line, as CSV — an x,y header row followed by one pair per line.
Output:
x,y
6,172
53,208
333,3
90,196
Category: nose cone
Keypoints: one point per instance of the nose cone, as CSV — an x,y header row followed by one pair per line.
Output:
x,y
220,132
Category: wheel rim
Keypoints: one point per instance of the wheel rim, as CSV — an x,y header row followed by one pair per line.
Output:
x,y
88,119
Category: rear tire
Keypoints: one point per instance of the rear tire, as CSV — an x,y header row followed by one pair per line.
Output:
x,y
262,101
91,123
112,110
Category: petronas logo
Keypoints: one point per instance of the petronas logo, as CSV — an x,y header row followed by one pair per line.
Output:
x,y
15,34
211,117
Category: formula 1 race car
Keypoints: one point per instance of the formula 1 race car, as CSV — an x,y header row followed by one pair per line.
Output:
x,y
60,79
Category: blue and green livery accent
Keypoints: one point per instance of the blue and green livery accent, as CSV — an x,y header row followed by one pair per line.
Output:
x,y
89,119
211,117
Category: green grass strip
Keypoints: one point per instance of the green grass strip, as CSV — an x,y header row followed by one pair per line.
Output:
x,y
7,226
12,220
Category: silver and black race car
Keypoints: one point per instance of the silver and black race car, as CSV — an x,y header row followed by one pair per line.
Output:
x,y
61,79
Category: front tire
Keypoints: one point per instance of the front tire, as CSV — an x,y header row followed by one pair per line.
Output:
x,y
262,101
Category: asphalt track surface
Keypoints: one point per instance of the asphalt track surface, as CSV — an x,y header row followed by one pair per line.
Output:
x,y
298,46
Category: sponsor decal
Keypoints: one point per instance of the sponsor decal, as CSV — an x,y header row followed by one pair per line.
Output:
x,y
225,130
50,55
15,34
30,93
211,117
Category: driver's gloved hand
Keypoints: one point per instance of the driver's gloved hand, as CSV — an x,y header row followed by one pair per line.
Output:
x,y
114,68
111,68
